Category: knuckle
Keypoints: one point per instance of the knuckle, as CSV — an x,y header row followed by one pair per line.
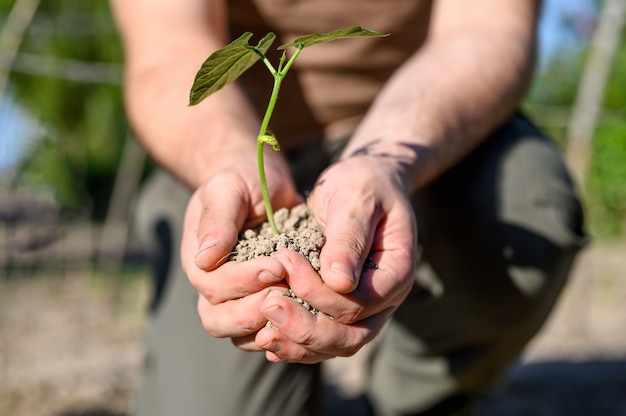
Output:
x,y
203,289
210,327
350,350
249,324
304,338
351,315
349,243
206,319
353,345
300,355
209,296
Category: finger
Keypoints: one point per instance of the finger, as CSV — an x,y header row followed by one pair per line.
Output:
x,y
300,336
220,216
246,343
349,232
307,284
277,348
393,256
235,318
379,288
234,280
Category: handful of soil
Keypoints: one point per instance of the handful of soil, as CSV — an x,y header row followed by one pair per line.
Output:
x,y
300,232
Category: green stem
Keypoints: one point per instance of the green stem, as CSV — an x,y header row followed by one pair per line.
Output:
x,y
278,79
292,59
267,63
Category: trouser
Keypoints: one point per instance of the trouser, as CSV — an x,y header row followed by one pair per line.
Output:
x,y
497,236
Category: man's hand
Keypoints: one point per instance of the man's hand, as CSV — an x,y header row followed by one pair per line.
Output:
x,y
231,293
361,202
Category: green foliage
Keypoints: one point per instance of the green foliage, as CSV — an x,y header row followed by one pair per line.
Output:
x,y
46,166
228,63
607,181
556,88
607,176
85,121
615,94
316,38
550,103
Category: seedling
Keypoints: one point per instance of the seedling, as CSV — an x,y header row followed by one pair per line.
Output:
x,y
228,63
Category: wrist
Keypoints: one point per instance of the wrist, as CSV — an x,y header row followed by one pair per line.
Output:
x,y
404,161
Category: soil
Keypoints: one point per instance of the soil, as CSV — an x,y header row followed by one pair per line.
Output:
x,y
71,344
299,231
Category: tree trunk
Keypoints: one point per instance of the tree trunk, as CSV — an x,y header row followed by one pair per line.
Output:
x,y
587,107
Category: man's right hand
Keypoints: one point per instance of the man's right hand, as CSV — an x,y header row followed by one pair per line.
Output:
x,y
231,293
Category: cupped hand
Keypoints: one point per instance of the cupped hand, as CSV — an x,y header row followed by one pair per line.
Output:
x,y
231,293
362,204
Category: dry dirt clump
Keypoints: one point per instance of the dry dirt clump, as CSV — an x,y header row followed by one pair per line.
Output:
x,y
299,232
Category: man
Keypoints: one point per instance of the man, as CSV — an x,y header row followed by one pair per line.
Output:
x,y
414,154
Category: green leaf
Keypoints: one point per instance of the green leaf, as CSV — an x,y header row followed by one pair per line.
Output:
x,y
349,32
226,65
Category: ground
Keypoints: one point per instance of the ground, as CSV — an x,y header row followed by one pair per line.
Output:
x,y
71,344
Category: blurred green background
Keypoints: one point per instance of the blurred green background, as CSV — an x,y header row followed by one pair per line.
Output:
x,y
67,76
65,81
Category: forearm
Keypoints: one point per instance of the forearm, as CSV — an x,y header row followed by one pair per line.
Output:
x,y
191,142
443,102
165,44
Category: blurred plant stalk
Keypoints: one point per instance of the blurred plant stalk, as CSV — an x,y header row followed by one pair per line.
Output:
x,y
586,111
18,21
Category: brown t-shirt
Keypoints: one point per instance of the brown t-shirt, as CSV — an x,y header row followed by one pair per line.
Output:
x,y
331,85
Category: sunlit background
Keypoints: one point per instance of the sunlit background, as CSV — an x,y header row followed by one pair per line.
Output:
x,y
73,286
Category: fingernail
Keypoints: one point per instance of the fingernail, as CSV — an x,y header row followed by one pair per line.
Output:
x,y
202,254
276,315
277,292
285,261
206,244
267,277
273,346
344,271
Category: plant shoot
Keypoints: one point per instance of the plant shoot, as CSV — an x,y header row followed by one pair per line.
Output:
x,y
226,65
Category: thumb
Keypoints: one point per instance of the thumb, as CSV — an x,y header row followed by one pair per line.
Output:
x,y
349,233
212,223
